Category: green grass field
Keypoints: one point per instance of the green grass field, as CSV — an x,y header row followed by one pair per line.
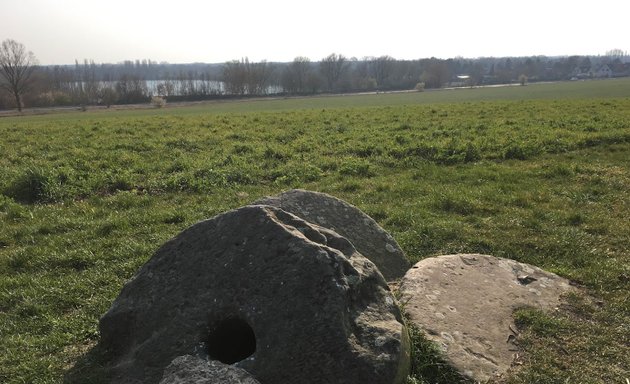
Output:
x,y
539,174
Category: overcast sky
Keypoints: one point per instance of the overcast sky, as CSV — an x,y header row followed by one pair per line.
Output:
x,y
185,31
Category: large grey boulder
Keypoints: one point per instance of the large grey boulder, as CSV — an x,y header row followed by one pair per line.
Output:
x,y
364,233
194,370
259,288
465,304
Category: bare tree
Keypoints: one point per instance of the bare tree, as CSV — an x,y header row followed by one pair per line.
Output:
x,y
258,76
86,85
380,69
246,78
296,75
616,52
436,73
16,66
235,77
131,89
108,96
332,68
165,88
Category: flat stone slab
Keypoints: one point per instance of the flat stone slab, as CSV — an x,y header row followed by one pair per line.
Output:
x,y
369,238
465,304
194,370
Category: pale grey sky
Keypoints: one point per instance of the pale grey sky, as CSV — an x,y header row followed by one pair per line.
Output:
x,y
184,31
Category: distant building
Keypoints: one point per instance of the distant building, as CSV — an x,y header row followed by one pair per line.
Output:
x,y
592,72
602,71
460,81
583,72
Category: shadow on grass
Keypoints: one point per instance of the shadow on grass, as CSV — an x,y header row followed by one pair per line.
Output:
x,y
428,365
90,368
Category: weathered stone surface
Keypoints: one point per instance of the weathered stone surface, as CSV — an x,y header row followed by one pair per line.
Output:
x,y
364,233
194,370
465,304
288,301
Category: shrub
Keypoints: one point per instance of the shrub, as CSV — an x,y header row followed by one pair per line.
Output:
x,y
419,87
44,99
109,96
522,79
158,102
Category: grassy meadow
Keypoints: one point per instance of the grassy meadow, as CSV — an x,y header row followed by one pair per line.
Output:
x,y
538,174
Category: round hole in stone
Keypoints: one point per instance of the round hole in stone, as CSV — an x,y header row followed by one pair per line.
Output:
x,y
231,341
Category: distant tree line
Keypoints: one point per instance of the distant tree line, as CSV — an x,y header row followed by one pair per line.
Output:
x,y
89,83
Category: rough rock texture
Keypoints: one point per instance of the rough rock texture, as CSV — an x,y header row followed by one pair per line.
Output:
x,y
194,370
368,237
465,304
288,301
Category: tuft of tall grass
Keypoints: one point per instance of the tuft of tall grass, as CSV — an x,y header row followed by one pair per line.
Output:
x,y
34,185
